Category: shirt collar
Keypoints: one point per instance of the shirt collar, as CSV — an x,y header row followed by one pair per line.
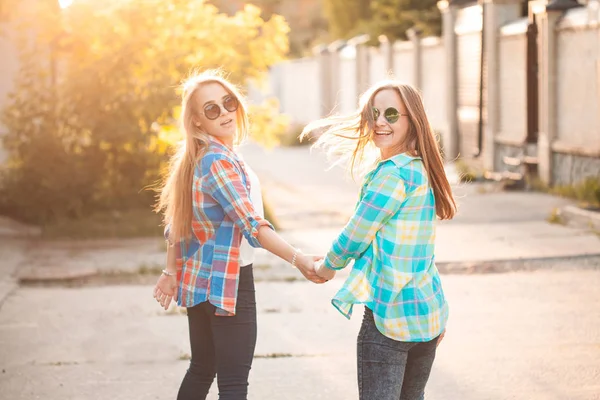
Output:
x,y
400,160
219,144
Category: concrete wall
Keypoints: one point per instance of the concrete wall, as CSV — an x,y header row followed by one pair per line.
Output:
x,y
434,85
512,107
404,68
576,149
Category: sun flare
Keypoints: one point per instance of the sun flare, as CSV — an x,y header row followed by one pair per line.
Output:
x,y
65,3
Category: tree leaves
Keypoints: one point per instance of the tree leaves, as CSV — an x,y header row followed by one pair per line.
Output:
x,y
392,18
96,80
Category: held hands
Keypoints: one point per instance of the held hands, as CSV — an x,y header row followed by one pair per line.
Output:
x,y
323,271
166,290
306,265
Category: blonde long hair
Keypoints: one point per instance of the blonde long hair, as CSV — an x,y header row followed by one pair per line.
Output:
x,y
349,139
175,199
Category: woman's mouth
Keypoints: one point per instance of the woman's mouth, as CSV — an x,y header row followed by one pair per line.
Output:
x,y
383,133
227,122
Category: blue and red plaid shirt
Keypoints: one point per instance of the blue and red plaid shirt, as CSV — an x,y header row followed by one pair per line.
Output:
x,y
208,265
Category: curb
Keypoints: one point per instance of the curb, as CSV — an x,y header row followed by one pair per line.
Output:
x,y
580,218
587,261
55,275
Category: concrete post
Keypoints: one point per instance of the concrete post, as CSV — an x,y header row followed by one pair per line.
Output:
x,y
322,54
547,90
387,50
362,62
335,72
450,137
495,14
415,37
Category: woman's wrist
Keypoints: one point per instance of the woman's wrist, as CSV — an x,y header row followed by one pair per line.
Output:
x,y
169,272
296,258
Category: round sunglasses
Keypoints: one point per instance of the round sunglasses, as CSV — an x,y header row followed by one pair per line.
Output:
x,y
213,111
390,114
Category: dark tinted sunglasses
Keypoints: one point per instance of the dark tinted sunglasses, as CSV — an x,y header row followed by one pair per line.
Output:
x,y
213,111
390,114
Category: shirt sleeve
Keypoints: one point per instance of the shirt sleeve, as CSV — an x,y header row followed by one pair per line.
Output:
x,y
382,198
227,188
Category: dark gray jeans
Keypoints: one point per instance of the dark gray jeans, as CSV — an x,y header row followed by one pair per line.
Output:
x,y
222,346
389,369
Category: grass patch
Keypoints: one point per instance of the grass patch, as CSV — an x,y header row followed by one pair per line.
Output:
x,y
466,172
555,217
586,192
109,224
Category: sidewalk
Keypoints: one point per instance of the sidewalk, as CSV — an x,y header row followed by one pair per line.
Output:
x,y
511,335
493,229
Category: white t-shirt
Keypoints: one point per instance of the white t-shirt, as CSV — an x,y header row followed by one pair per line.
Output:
x,y
247,251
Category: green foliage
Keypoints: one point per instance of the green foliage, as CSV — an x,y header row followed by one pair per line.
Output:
x,y
392,18
96,88
346,17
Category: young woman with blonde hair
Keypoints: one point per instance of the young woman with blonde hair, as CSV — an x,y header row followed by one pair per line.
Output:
x,y
391,238
211,224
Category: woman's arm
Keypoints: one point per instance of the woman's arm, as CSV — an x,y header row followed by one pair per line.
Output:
x,y
383,197
226,186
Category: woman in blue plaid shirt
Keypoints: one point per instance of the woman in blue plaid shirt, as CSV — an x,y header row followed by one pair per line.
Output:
x,y
391,238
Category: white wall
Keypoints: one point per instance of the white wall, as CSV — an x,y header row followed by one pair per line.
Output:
x,y
347,98
578,91
403,62
512,107
297,86
377,70
434,82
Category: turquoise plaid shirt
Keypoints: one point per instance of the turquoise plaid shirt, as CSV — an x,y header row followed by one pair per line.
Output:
x,y
391,239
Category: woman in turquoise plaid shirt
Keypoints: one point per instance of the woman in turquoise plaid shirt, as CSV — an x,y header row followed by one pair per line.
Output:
x,y
391,238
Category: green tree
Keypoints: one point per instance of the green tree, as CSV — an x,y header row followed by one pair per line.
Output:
x,y
392,18
92,116
346,18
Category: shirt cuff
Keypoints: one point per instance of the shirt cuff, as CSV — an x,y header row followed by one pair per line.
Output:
x,y
255,226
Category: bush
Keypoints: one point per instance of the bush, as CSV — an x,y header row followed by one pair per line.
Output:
x,y
95,91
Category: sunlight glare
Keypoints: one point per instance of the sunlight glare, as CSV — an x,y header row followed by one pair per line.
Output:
x,y
65,3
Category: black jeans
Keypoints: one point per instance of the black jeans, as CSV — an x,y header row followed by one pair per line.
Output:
x,y
222,346
389,369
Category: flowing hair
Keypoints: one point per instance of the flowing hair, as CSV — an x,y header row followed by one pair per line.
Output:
x,y
175,198
348,139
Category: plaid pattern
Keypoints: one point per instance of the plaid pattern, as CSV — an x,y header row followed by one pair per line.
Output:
x,y
208,266
391,239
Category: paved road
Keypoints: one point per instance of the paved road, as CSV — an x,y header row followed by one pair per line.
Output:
x,y
527,335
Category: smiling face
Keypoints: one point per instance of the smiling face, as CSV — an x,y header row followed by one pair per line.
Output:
x,y
223,127
389,136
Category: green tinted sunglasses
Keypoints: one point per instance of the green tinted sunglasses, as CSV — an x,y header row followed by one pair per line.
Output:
x,y
390,114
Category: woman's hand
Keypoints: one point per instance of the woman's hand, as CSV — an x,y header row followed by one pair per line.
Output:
x,y
166,290
306,265
323,271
